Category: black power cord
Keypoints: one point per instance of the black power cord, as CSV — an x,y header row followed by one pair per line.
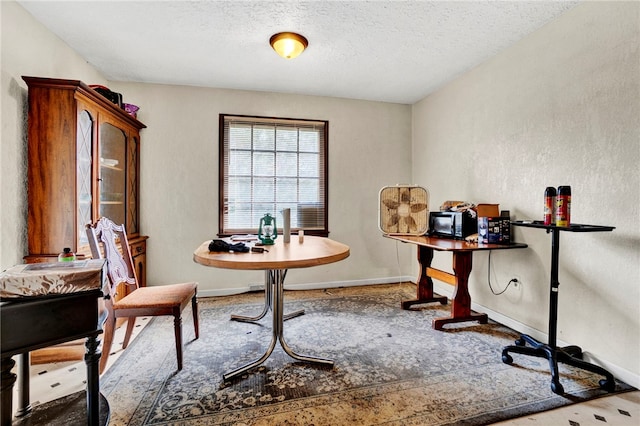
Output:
x,y
512,280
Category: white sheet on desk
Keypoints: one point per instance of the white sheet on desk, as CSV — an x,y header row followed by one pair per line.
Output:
x,y
41,279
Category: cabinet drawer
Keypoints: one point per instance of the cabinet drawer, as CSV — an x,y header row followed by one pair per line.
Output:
x,y
138,248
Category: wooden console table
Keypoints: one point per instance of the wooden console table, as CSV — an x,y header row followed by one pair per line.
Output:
x,y
462,262
571,355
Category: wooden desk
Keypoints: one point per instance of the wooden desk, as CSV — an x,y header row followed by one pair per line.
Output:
x,y
462,262
280,257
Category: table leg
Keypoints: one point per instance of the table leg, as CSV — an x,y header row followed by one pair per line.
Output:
x,y
279,276
267,304
92,360
461,303
252,364
23,385
425,282
7,379
278,305
276,278
268,289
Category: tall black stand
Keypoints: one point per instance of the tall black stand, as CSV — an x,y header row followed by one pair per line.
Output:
x,y
571,355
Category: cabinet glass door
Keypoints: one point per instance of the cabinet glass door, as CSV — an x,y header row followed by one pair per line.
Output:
x,y
84,144
132,186
112,189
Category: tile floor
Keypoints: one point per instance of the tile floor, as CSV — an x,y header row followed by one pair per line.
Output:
x,y
617,410
51,381
55,380
621,409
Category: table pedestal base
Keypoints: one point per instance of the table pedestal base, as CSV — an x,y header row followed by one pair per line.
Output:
x,y
275,287
268,290
407,304
439,323
571,355
461,300
425,283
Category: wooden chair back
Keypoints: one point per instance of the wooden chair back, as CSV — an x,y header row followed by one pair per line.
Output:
x,y
112,239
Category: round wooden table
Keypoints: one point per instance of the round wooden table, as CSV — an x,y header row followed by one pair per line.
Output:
x,y
280,257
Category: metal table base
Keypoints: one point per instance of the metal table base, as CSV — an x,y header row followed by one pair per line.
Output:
x,y
268,291
274,296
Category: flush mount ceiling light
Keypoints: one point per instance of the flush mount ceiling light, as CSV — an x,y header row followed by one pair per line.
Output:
x,y
288,45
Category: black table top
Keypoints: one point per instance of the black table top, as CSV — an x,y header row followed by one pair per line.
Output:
x,y
574,227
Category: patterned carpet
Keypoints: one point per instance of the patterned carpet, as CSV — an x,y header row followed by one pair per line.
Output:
x,y
390,368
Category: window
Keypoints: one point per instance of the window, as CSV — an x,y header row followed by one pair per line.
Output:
x,y
269,164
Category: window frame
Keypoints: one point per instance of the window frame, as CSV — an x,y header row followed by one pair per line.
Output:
x,y
222,232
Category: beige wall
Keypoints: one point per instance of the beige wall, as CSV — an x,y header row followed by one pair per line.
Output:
x,y
561,107
369,147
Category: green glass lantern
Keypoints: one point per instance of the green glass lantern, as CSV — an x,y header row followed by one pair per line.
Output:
x,y
267,231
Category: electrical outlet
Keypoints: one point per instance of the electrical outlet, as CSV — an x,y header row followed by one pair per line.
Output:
x,y
516,283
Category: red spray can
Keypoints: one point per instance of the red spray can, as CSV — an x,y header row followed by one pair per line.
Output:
x,y
550,205
563,206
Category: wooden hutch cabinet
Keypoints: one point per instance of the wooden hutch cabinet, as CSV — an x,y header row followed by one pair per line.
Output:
x,y
83,163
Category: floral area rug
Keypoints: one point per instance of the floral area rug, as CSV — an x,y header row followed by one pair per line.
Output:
x,y
390,368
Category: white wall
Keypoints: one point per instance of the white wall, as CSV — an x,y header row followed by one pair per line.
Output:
x,y
561,107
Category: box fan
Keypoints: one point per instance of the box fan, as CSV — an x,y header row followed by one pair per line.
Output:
x,y
403,210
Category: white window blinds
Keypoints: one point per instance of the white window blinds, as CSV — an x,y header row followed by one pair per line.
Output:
x,y
268,164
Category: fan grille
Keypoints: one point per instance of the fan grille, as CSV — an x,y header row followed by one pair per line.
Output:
x,y
404,210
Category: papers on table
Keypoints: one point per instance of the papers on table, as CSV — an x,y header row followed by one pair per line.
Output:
x,y
247,237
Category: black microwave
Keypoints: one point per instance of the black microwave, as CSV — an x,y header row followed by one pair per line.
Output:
x,y
457,225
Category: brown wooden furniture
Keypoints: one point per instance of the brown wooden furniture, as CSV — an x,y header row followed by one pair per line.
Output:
x,y
280,257
83,163
108,240
462,262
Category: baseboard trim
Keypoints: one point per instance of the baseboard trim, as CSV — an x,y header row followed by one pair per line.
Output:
x,y
353,283
305,286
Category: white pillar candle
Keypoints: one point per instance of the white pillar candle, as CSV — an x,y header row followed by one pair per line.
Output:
x,y
286,216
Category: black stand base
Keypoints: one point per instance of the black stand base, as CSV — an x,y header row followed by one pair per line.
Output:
x,y
571,355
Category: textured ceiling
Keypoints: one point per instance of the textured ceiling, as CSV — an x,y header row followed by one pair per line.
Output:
x,y
393,51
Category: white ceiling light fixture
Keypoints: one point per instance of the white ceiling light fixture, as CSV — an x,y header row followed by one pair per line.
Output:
x,y
288,45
